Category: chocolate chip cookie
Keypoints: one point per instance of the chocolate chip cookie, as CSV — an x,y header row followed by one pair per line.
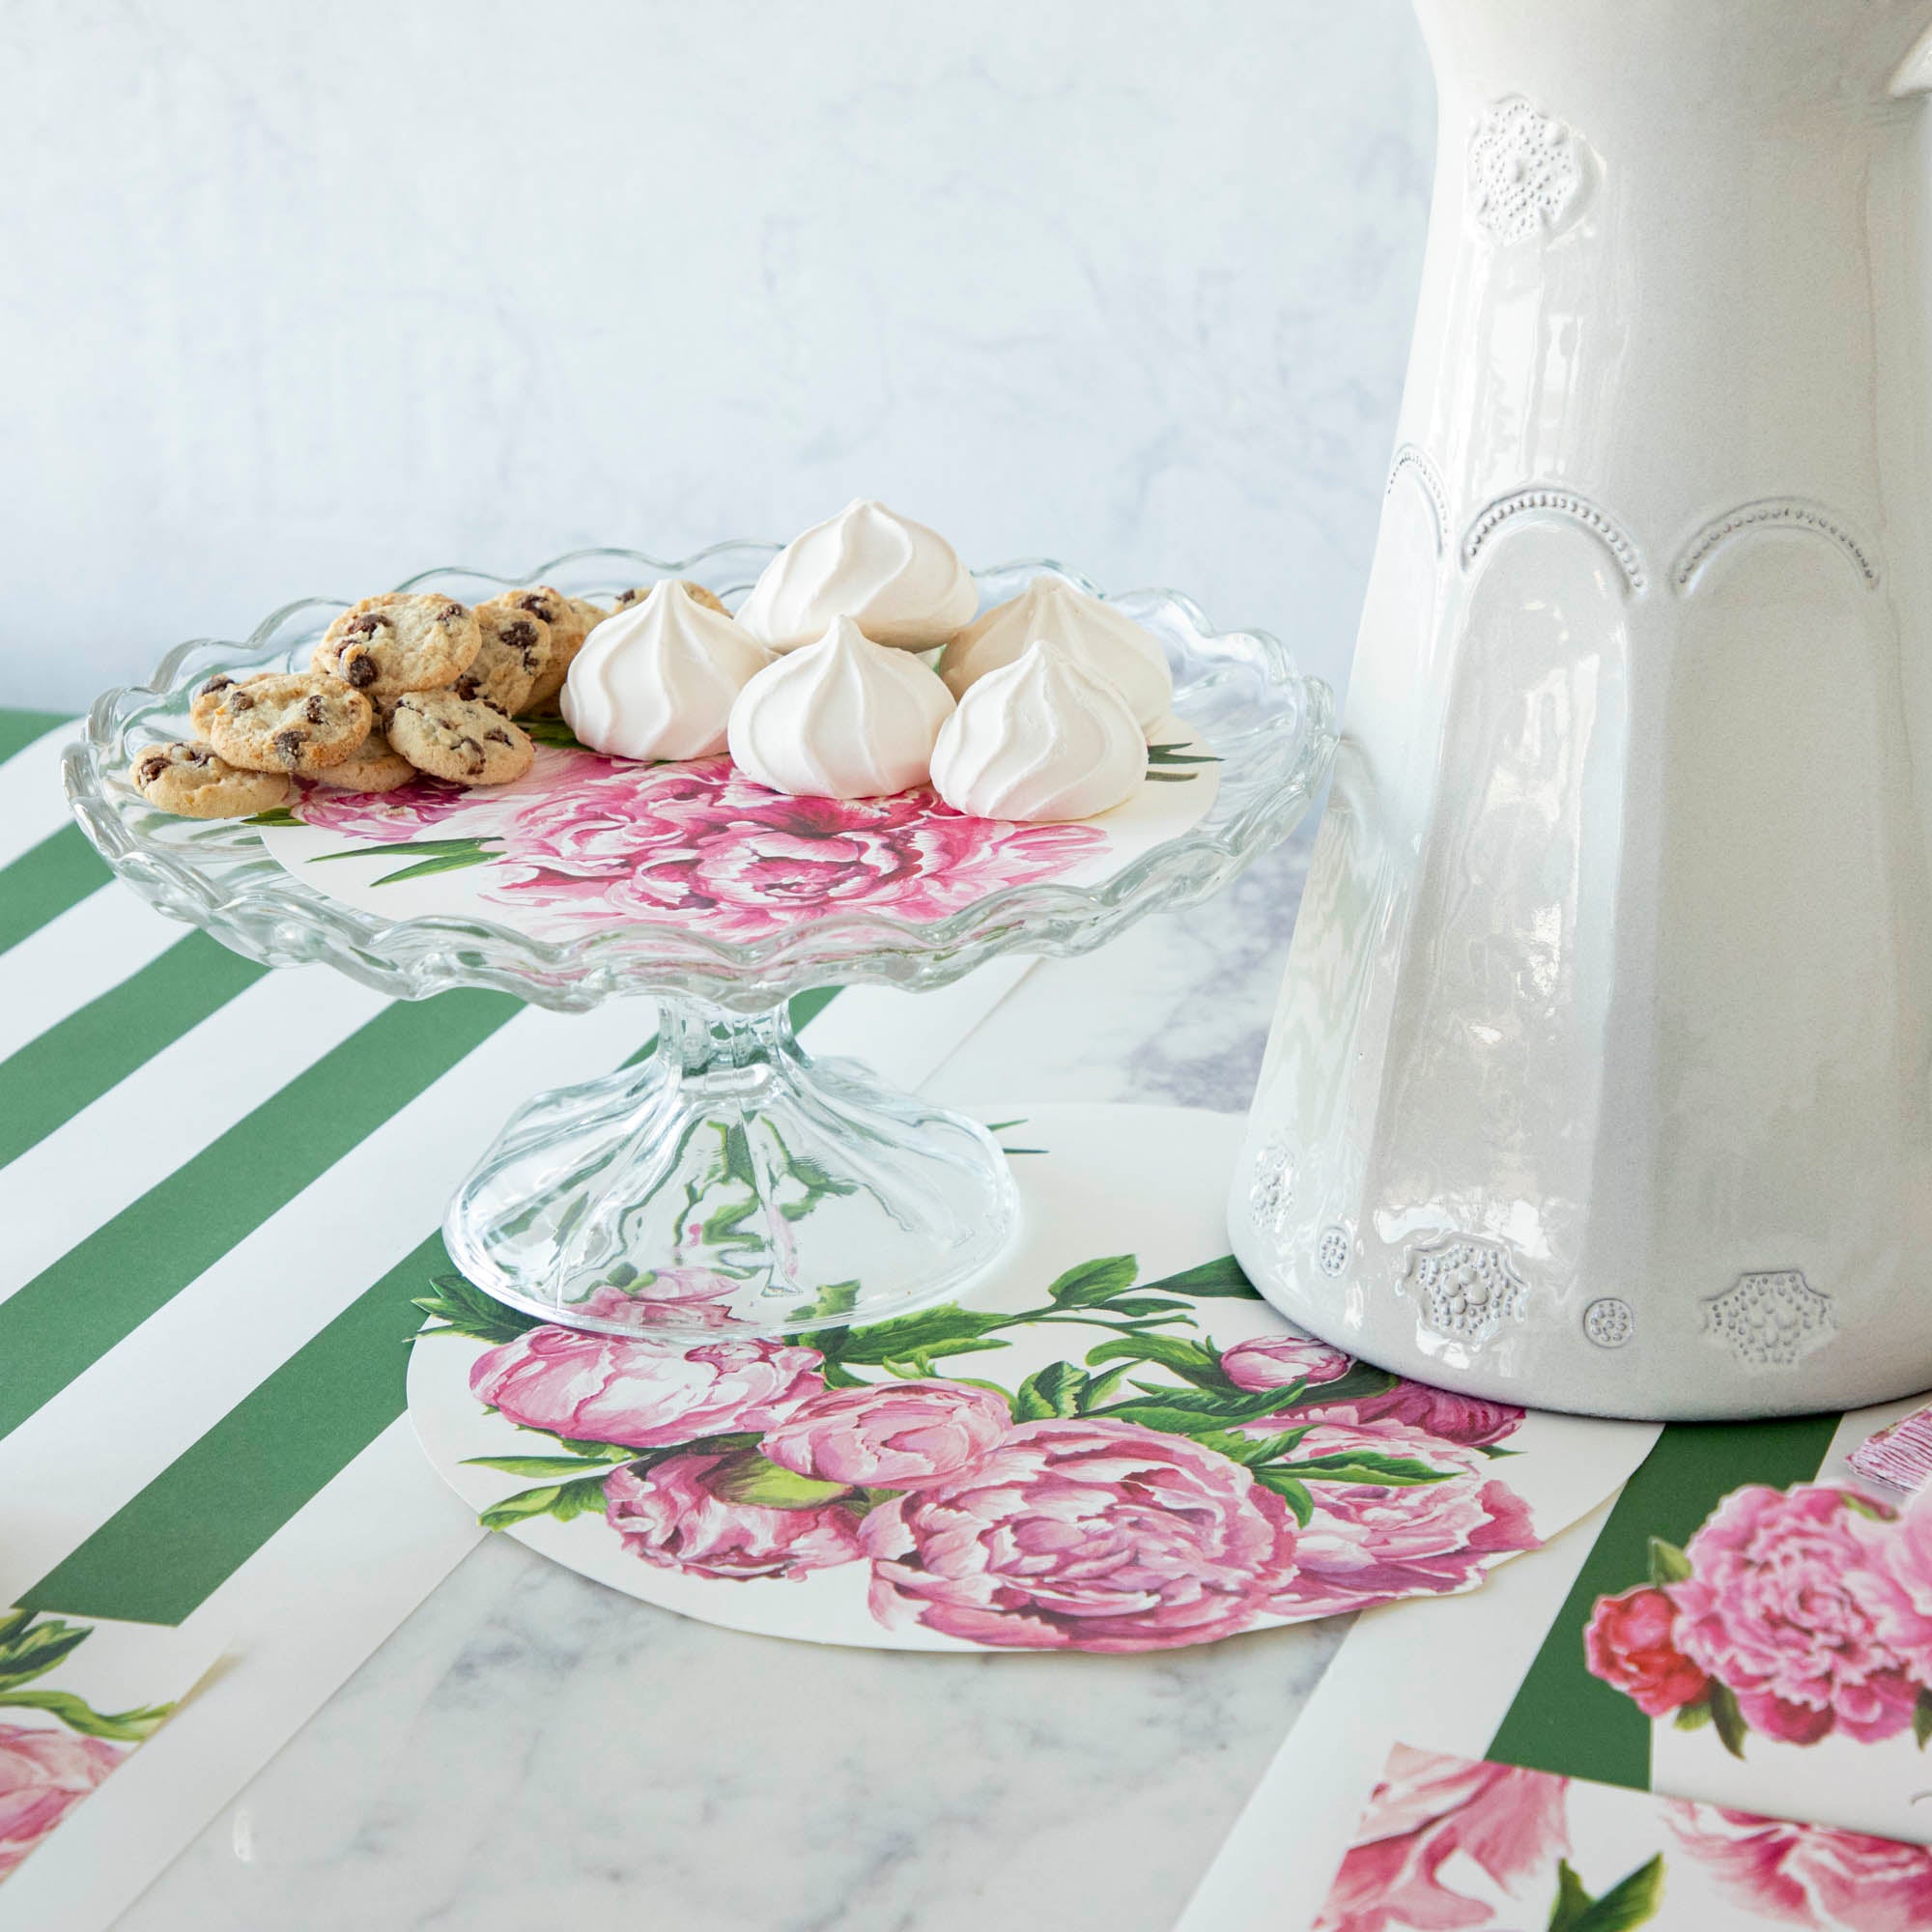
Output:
x,y
461,739
294,721
192,781
514,653
709,598
374,765
208,697
567,632
400,641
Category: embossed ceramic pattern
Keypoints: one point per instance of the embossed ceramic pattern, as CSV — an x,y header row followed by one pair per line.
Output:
x,y
1614,972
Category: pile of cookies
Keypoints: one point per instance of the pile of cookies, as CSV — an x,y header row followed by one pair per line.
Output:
x,y
400,684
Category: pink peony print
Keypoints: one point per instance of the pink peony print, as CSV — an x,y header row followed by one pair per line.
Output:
x,y
1083,1535
1779,1607
43,1775
704,844
673,1515
891,1435
424,803
1280,1361
1370,1543
1438,1412
1897,1591
689,1297
1427,1810
1810,1875
1630,1643
600,1388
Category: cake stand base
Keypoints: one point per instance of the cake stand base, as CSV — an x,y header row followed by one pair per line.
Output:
x,y
727,1182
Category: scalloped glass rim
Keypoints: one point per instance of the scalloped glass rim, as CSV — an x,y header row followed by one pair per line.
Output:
x,y
1272,729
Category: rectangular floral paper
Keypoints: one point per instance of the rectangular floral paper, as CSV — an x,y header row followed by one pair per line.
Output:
x,y
1455,1844
76,1700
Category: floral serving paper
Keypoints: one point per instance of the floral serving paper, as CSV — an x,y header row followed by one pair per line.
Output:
x,y
1455,1843
75,1699
1116,1446
583,841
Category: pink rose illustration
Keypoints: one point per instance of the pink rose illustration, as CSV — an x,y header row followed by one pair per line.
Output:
x,y
1426,1810
1083,1535
1810,1875
695,1297
1777,1607
1369,1543
601,1388
891,1435
703,844
673,1517
1438,1412
43,1775
1280,1361
1630,1643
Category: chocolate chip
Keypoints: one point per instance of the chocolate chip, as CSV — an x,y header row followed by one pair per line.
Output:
x,y
364,626
536,604
152,767
450,613
466,685
498,737
313,710
220,681
199,755
475,750
361,670
289,745
240,702
630,597
521,635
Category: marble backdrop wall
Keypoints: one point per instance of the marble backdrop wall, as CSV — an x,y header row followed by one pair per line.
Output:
x,y
301,300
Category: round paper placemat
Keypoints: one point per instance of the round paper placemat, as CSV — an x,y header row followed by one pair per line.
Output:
x,y
1114,1446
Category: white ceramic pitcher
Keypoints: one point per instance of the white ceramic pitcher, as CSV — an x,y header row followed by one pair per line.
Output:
x,y
1602,1078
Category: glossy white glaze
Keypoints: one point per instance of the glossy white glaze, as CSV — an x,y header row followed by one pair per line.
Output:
x,y
1615,970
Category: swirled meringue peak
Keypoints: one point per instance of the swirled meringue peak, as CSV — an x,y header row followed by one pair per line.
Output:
x,y
1043,738
657,680
901,583
843,718
1093,633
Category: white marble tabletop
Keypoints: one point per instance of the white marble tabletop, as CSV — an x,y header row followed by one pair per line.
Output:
x,y
531,1749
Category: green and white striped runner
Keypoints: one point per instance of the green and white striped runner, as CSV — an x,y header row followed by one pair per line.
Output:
x,y
221,1187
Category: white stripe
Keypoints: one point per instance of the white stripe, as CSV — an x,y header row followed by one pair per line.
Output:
x,y
31,804
905,1038
125,1418
298,1618
90,947
84,1173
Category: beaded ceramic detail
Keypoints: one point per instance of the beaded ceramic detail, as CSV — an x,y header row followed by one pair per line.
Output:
x,y
1332,1252
1769,1321
1271,1192
1525,172
1411,460
1466,1287
1776,513
1609,1322
1560,504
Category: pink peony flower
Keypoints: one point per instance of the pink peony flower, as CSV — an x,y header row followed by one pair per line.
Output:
x,y
601,1388
1083,1535
672,1516
1898,1592
694,1297
1280,1361
382,817
1777,1607
1427,1810
893,1435
1630,1643
705,844
1369,1543
1810,1875
43,1775
1438,1412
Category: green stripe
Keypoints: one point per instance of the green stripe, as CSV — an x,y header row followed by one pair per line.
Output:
x,y
1564,1719
71,1313
43,882
22,728
52,1077
167,1550
159,1556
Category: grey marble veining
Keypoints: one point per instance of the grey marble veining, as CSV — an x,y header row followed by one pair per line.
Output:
x,y
531,1749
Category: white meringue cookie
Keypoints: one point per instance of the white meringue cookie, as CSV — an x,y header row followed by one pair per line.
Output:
x,y
1041,739
657,680
843,718
1093,633
901,583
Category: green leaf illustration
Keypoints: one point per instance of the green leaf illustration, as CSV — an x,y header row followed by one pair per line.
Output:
x,y
1362,1465
279,815
463,1309
420,848
30,1649
549,1466
1728,1717
128,1727
748,1478
1196,1362
1055,1390
1694,1717
1922,1717
1192,1411
1221,1280
838,1299
1668,1564
1177,754
449,862
946,1330
1093,1283
1291,1490
1357,1385
1631,1902
551,731
563,1500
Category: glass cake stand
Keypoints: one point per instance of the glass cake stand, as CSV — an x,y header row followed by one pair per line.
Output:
x,y
725,1180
